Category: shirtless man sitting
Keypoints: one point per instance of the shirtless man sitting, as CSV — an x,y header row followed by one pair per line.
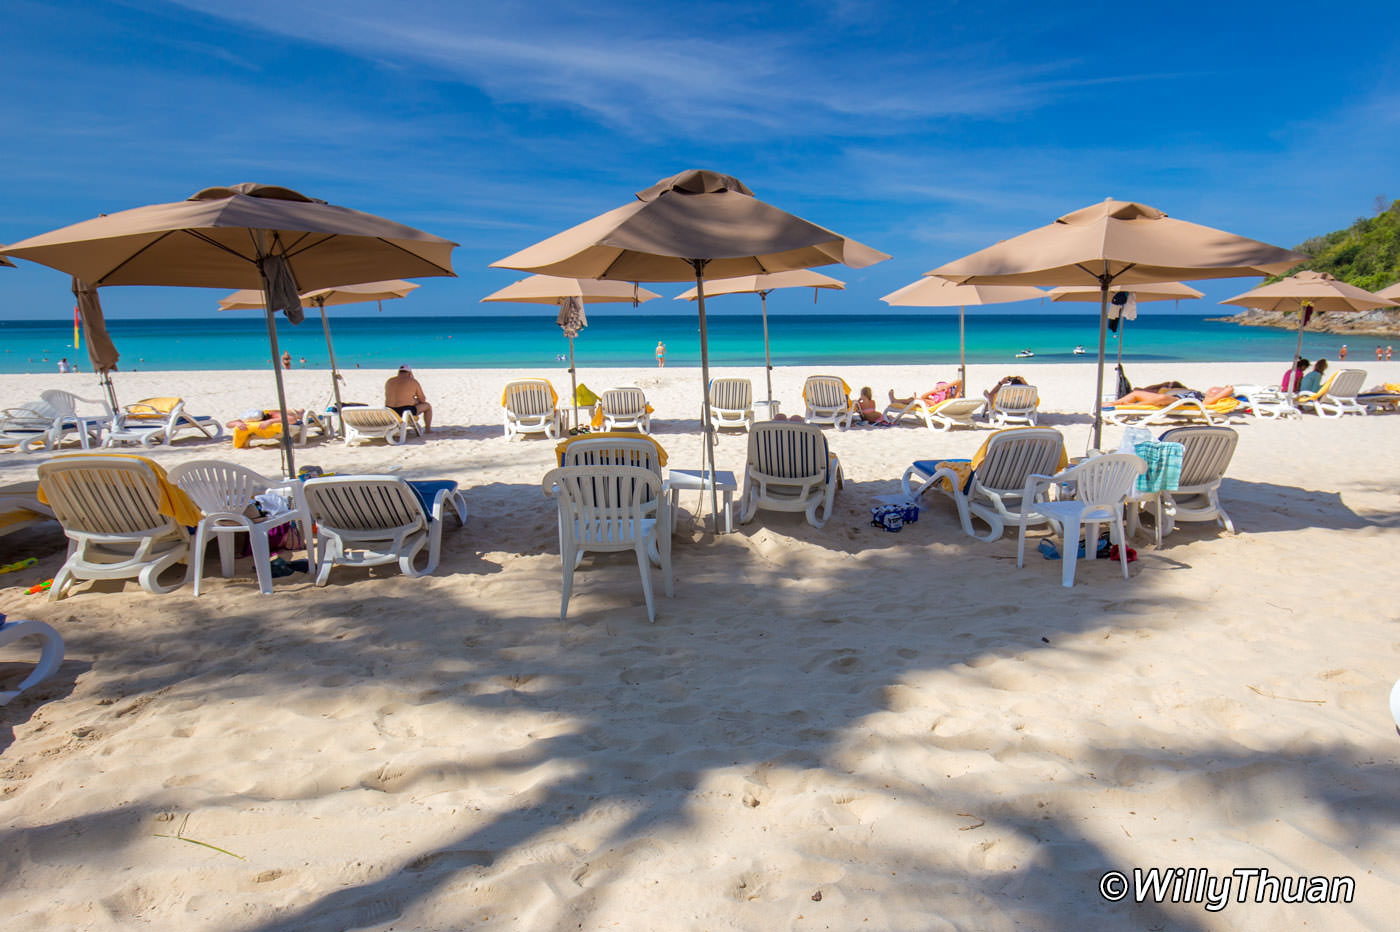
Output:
x,y
403,394
1165,393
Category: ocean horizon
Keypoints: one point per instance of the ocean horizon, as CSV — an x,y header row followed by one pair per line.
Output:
x,y
478,342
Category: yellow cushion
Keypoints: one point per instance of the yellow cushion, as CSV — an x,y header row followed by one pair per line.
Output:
x,y
153,407
562,446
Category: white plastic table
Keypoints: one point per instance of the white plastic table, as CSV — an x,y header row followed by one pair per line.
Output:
x,y
766,410
679,480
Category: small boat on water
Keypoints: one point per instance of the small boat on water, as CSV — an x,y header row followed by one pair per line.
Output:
x,y
1079,350
1024,354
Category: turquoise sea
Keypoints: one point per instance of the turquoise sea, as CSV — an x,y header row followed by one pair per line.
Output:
x,y
629,340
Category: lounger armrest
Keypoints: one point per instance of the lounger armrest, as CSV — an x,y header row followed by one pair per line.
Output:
x,y
1036,481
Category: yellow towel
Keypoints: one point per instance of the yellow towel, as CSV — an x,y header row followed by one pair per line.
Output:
x,y
553,395
153,407
562,446
17,516
242,435
171,500
1322,390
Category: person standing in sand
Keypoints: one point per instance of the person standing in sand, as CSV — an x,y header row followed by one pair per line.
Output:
x,y
403,394
660,355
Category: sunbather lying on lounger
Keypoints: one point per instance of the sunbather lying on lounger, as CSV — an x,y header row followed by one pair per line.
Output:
x,y
940,392
991,393
1165,393
865,407
262,418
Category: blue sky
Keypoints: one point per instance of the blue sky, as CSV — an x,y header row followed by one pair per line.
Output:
x,y
927,130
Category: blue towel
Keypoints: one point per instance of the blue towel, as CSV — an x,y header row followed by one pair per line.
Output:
x,y
1163,465
427,490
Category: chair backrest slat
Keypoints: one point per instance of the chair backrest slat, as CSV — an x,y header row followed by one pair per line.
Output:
x,y
363,503
624,401
1206,455
529,397
1347,384
788,450
1016,397
94,496
1014,454
825,391
731,394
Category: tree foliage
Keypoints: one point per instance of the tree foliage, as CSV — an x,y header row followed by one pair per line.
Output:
x,y
1365,254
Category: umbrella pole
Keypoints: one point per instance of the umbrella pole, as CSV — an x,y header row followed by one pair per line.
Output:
x,y
708,460
573,380
1103,343
288,462
962,351
767,358
1297,351
111,391
335,372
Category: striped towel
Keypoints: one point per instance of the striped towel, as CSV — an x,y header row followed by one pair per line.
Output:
x,y
1163,465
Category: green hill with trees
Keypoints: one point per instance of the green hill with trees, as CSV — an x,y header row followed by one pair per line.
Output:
x,y
1365,254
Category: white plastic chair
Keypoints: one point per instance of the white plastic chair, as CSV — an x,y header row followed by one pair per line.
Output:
x,y
530,409
994,491
941,415
789,468
625,409
108,508
374,520
223,491
32,426
1014,404
1207,455
50,657
148,423
610,509
366,423
1264,402
88,426
731,403
827,401
1100,487
1338,396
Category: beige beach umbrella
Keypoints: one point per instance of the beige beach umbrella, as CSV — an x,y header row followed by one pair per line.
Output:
x,y
1305,292
696,225
763,285
1391,294
939,292
250,299
244,236
6,263
1117,243
102,353
570,294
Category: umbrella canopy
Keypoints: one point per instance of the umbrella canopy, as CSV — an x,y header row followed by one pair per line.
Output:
x,y
764,283
218,237
569,294
696,215
1305,292
1162,291
761,285
243,236
1117,243
551,289
251,299
931,291
1318,289
1392,293
693,225
6,263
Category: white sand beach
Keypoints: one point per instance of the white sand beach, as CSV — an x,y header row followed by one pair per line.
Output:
x,y
840,728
